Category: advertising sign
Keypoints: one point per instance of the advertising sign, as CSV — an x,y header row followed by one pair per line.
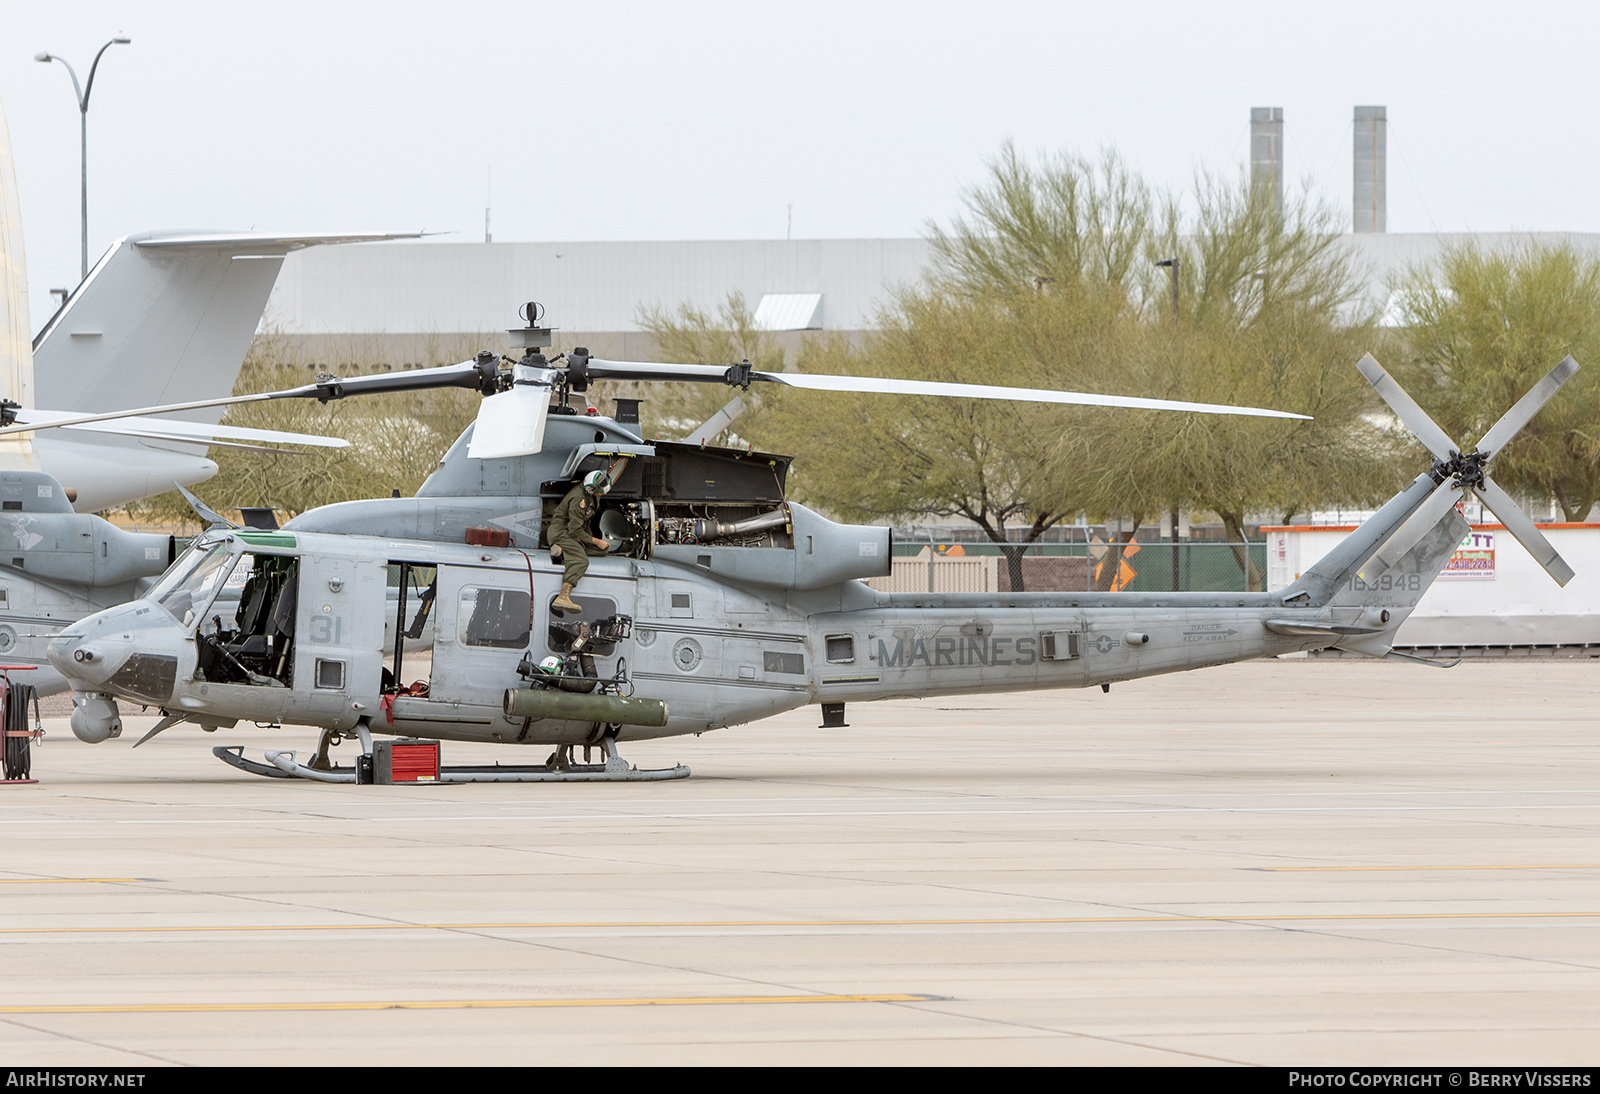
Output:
x,y
1473,560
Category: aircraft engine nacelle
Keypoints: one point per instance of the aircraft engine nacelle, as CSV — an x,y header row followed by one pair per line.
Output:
x,y
824,553
95,718
81,548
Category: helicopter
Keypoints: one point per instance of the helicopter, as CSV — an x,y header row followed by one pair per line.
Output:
x,y
723,602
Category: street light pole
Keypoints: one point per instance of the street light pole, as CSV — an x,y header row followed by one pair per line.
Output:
x,y
1171,266
83,94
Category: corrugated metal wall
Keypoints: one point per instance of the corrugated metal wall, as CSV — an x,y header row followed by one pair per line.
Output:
x,y
477,287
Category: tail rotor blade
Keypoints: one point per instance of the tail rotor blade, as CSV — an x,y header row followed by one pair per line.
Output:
x,y
1530,404
1412,416
1519,524
1428,514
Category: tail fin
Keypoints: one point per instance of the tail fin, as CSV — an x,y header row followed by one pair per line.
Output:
x,y
163,317
1368,595
1322,582
1386,595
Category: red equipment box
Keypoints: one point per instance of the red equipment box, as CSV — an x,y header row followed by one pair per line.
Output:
x,y
405,761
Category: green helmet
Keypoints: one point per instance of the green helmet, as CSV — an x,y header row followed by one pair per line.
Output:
x,y
596,482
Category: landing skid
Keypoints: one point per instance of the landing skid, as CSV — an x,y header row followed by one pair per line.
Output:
x,y
234,754
560,768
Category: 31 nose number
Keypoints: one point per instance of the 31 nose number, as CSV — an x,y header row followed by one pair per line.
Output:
x,y
327,630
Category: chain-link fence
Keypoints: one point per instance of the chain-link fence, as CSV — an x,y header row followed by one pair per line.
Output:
x,y
1205,566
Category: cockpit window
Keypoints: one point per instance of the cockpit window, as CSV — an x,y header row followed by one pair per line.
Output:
x,y
499,618
193,581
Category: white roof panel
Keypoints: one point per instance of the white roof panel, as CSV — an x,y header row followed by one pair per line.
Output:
x,y
789,311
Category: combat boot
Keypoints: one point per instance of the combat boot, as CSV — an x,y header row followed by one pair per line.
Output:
x,y
563,603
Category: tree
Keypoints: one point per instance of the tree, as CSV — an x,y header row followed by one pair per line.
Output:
x,y
1272,319
693,335
396,439
1049,280
875,457
1035,286
1065,224
1482,327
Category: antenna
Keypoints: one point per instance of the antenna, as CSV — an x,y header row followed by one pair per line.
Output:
x,y
488,195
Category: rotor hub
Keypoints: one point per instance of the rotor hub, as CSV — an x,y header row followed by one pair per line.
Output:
x,y
1467,471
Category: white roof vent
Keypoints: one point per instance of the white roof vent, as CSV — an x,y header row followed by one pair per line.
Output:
x,y
789,311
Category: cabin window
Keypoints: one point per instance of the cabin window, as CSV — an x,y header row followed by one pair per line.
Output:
x,y
793,664
414,587
590,625
501,619
330,674
841,649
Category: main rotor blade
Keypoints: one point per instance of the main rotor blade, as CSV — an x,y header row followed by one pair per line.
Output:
x,y
875,385
473,374
1428,514
176,429
1519,524
1530,404
482,374
1412,416
638,370
512,423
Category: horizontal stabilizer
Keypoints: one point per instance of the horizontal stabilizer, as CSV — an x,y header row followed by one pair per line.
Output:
x,y
261,242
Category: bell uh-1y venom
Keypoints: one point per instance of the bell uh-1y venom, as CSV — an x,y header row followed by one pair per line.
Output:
x,y
722,602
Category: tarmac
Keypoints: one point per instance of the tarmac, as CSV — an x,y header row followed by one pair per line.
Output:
x,y
1289,863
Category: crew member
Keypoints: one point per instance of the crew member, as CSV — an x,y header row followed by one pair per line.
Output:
x,y
570,541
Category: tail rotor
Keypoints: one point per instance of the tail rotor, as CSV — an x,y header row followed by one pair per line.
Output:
x,y
1459,474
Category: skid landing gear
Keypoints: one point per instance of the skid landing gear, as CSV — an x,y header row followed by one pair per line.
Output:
x,y
559,768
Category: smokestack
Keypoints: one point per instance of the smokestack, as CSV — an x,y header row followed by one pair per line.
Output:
x,y
1372,169
1266,151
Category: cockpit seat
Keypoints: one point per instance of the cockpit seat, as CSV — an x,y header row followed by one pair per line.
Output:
x,y
254,645
283,612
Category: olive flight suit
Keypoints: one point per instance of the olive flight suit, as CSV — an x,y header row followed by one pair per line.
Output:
x,y
569,530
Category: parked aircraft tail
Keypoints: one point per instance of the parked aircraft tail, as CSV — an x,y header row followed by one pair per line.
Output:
x,y
164,317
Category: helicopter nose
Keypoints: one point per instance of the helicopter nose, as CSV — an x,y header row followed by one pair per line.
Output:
x,y
88,660
91,651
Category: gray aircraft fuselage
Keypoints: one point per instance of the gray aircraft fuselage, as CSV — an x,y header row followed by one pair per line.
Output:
x,y
742,605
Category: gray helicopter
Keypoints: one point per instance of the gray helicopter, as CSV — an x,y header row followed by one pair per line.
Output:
x,y
721,603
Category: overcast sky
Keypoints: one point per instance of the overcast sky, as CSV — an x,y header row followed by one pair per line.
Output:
x,y
614,121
